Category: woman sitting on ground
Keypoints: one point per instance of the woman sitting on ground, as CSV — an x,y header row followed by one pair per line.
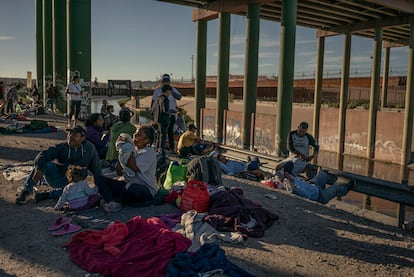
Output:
x,y
96,134
123,126
138,189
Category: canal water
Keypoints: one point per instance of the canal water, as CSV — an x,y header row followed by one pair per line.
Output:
x,y
96,104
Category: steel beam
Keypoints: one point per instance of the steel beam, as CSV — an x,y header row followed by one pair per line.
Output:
x,y
318,87
200,81
409,103
222,94
374,92
250,71
286,75
47,47
385,74
39,44
346,59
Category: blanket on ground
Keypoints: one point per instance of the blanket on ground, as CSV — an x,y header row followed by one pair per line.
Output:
x,y
209,259
16,172
199,232
231,211
144,250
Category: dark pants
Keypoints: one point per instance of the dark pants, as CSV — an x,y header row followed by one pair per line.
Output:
x,y
164,124
171,132
74,109
10,107
114,190
102,152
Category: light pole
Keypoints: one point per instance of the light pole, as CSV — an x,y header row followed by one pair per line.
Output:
x,y
192,68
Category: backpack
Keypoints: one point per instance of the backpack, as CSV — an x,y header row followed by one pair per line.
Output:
x,y
206,169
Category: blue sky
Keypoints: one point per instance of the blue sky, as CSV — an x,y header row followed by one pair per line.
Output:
x,y
139,40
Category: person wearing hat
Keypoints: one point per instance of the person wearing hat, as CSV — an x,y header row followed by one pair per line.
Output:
x,y
74,93
174,96
53,162
190,144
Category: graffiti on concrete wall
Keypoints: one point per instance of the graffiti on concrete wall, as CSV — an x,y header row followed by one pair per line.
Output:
x,y
388,147
263,141
208,127
233,132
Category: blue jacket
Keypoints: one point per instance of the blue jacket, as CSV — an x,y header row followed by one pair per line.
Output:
x,y
85,155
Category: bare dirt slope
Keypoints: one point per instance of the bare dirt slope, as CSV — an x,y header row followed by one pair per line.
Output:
x,y
308,240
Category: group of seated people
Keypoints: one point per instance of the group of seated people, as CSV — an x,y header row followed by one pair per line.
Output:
x,y
64,166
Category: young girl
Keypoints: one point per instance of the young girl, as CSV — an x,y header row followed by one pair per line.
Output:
x,y
77,193
125,147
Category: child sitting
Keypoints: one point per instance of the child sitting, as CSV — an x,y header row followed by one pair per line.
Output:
x,y
125,146
77,194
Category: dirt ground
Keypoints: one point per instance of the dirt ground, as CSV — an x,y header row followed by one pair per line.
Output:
x,y
308,240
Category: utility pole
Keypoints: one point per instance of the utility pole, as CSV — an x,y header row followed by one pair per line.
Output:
x,y
192,68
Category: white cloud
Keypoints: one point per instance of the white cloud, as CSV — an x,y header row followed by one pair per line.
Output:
x,y
268,54
267,65
305,53
237,56
361,59
334,59
237,40
6,38
269,42
306,41
235,66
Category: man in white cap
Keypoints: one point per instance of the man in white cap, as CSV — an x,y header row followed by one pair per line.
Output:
x,y
175,95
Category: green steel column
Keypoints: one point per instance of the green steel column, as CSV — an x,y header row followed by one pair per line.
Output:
x,y
384,92
409,103
250,70
59,47
39,44
286,75
47,47
79,48
200,82
222,94
346,58
374,92
318,87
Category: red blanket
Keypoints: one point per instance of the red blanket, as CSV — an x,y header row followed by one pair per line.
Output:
x,y
143,248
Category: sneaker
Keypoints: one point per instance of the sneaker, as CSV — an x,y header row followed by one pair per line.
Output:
x,y
112,207
331,179
39,196
350,185
22,197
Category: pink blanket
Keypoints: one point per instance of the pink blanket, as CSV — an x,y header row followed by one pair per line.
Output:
x,y
141,247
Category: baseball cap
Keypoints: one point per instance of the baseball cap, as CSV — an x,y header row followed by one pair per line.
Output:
x,y
166,78
192,126
77,130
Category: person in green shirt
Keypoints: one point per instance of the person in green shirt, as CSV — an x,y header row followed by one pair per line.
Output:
x,y
123,126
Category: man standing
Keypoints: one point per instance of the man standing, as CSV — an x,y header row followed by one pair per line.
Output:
x,y
74,93
175,95
161,113
299,142
12,98
54,161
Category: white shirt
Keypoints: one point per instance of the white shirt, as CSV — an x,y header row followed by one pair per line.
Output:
x,y
175,94
146,161
75,90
